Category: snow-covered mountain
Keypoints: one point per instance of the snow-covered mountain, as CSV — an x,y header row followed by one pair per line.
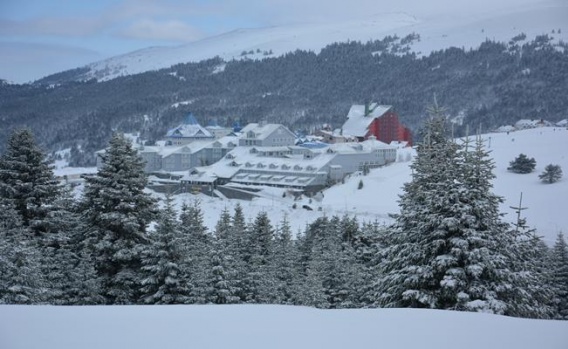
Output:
x,y
436,32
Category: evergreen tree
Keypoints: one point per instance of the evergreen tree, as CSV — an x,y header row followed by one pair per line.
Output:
x,y
447,248
258,282
70,276
27,179
118,211
223,270
367,253
222,285
162,262
522,164
20,279
552,173
331,268
283,264
560,275
197,247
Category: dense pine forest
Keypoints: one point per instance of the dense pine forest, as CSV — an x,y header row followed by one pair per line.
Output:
x,y
495,84
448,247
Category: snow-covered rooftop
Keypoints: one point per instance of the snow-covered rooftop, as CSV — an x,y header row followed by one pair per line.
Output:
x,y
189,131
261,131
357,123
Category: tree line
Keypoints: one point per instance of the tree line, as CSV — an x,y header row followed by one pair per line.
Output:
x,y
447,248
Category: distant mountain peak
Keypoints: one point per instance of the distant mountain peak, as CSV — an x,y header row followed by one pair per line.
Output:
x,y
257,43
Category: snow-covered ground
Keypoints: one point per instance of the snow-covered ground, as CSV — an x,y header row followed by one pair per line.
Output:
x,y
462,27
262,327
546,204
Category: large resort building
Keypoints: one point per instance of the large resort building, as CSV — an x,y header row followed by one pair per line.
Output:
x,y
260,154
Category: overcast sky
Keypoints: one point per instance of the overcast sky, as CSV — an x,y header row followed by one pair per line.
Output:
x,y
40,37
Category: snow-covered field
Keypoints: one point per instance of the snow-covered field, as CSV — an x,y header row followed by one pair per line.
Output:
x,y
263,327
546,204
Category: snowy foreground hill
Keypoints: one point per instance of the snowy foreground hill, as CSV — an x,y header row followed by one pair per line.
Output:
x,y
263,327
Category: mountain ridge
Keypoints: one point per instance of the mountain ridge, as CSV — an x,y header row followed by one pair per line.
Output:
x,y
438,32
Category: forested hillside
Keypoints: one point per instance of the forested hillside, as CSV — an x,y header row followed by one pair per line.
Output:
x,y
495,84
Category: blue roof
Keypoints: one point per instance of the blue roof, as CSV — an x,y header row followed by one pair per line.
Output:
x,y
190,120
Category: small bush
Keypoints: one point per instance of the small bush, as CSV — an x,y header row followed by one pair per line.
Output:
x,y
552,173
522,164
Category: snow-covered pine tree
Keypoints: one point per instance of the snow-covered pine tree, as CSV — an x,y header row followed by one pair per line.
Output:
x,y
559,257
69,273
162,262
552,173
367,246
419,256
238,232
341,268
330,266
258,281
531,291
283,264
20,277
118,211
522,164
446,249
27,179
197,245
222,282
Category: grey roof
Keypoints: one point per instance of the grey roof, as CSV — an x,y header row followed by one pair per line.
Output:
x,y
189,130
262,131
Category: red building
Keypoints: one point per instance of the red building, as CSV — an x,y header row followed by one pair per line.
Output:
x,y
376,120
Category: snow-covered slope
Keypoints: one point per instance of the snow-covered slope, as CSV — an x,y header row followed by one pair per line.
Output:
x,y
546,204
437,32
262,327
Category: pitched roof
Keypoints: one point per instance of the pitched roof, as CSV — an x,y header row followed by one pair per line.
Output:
x,y
190,128
261,131
357,123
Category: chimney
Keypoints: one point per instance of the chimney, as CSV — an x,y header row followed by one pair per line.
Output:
x,y
367,111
